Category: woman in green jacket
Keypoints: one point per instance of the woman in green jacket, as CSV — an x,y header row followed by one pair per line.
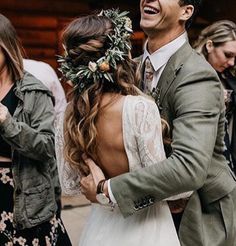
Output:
x,y
29,186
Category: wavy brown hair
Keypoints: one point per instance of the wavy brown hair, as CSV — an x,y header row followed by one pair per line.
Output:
x,y
85,39
12,48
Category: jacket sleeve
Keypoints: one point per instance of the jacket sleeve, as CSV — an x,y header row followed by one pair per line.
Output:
x,y
197,102
36,140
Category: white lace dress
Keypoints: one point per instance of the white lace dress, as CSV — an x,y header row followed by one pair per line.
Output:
x,y
143,145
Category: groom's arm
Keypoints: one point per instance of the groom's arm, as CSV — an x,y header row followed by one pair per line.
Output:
x,y
197,102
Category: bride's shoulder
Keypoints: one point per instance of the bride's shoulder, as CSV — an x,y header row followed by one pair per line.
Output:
x,y
137,109
140,101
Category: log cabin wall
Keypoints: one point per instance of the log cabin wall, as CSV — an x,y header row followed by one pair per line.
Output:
x,y
39,22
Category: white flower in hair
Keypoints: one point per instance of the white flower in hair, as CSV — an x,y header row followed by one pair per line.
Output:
x,y
83,76
92,66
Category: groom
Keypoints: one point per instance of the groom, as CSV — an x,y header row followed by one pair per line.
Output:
x,y
190,98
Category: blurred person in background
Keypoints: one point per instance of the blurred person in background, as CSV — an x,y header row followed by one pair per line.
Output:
x,y
29,184
217,43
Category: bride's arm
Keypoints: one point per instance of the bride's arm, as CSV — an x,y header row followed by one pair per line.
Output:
x,y
149,138
148,132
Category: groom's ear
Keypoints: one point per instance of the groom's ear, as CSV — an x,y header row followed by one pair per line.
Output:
x,y
186,12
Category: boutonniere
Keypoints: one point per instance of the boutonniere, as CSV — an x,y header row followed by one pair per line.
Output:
x,y
155,94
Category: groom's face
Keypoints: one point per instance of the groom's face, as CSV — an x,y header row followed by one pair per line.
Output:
x,y
159,15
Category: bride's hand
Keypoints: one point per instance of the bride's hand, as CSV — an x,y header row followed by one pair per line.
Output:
x,y
90,182
88,188
95,170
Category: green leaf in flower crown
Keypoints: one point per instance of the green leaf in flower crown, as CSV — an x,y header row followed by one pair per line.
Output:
x,y
83,76
123,14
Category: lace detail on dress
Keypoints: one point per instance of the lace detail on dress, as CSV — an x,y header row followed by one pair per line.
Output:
x,y
69,178
142,129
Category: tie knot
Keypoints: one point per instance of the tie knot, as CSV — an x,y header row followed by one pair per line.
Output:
x,y
148,75
148,66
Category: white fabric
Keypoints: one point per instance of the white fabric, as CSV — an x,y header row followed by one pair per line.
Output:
x,y
151,226
161,56
69,178
112,198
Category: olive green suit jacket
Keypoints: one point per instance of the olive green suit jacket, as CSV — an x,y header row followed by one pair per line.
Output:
x,y
191,100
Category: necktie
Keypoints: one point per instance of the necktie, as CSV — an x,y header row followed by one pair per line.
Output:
x,y
148,76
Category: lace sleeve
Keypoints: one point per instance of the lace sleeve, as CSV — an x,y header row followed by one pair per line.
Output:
x,y
149,138
148,132
69,178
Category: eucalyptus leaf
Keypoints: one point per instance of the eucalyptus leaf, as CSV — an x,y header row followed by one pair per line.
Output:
x,y
85,75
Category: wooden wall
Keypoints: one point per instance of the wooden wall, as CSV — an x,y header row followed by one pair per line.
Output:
x,y
39,22
39,36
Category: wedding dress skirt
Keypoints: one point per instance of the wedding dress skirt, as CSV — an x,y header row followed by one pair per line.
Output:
x,y
152,226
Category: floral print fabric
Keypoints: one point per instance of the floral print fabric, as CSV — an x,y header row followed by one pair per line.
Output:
x,y
46,234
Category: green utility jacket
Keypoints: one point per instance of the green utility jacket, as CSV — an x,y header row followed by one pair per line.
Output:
x,y
30,133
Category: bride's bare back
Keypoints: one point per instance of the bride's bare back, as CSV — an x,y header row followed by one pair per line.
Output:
x,y
111,152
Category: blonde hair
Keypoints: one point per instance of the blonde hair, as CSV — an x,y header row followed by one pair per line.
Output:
x,y
12,48
219,33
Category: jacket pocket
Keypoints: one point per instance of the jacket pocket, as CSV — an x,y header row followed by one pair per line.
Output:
x,y
40,203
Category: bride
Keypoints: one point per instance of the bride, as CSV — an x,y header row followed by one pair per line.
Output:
x,y
112,122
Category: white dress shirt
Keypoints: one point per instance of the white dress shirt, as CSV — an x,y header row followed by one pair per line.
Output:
x,y
161,56
159,60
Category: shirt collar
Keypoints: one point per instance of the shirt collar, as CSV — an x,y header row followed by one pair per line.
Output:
x,y
162,55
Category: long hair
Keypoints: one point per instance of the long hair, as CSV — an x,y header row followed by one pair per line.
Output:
x,y
85,40
12,48
219,33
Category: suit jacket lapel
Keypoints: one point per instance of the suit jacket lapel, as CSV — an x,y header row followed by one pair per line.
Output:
x,y
171,70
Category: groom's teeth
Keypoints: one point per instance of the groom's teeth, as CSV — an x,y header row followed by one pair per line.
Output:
x,y
150,10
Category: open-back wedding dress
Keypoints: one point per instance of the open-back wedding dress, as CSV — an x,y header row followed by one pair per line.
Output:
x,y
152,226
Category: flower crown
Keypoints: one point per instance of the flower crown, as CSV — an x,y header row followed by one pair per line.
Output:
x,y
118,42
